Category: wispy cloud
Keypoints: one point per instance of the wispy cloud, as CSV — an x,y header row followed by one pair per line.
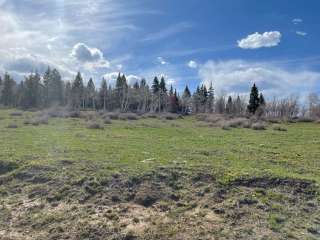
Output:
x,y
296,21
169,31
301,33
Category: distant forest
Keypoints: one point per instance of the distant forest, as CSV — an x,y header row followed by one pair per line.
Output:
x,y
49,90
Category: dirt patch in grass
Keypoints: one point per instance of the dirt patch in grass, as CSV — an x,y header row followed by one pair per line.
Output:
x,y
167,203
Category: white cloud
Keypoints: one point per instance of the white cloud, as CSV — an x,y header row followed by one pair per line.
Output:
x,y
301,33
111,78
84,53
162,61
192,64
236,76
297,21
257,40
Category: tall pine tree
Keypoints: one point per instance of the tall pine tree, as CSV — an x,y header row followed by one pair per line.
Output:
x,y
254,101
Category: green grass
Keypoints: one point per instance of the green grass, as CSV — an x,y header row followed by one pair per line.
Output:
x,y
135,147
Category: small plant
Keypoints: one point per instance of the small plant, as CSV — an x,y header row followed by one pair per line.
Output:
x,y
279,128
259,126
95,125
226,127
107,120
74,114
40,120
112,116
16,114
128,116
12,125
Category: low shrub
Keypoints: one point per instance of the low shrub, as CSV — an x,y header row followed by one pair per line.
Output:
x,y
150,115
128,116
107,120
226,127
39,120
74,114
12,125
238,122
279,128
273,120
112,115
305,119
259,126
95,125
16,114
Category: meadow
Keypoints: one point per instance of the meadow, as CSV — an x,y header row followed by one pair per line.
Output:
x,y
61,179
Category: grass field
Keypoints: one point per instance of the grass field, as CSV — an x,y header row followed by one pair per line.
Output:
x,y
223,184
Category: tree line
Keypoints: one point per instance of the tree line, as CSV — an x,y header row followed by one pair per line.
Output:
x,y
49,90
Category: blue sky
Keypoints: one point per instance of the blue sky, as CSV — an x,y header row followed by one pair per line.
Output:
x,y
231,43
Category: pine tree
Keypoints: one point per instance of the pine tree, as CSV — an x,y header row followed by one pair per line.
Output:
x,y
162,85
262,101
155,85
254,101
32,91
210,101
55,88
78,92
103,94
186,92
229,106
91,92
7,96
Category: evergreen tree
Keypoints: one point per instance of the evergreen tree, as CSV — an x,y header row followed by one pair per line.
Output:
x,y
7,96
210,101
186,92
238,106
254,101
68,94
78,92
103,94
136,85
32,91
262,101
229,106
155,85
91,93
55,92
162,85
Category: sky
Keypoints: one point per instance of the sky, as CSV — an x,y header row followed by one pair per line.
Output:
x,y
190,42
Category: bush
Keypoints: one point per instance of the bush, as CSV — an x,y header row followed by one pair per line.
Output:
x,y
273,120
107,120
238,122
27,122
112,115
226,127
259,126
12,125
128,116
74,114
16,114
40,120
150,115
95,125
305,119
279,128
